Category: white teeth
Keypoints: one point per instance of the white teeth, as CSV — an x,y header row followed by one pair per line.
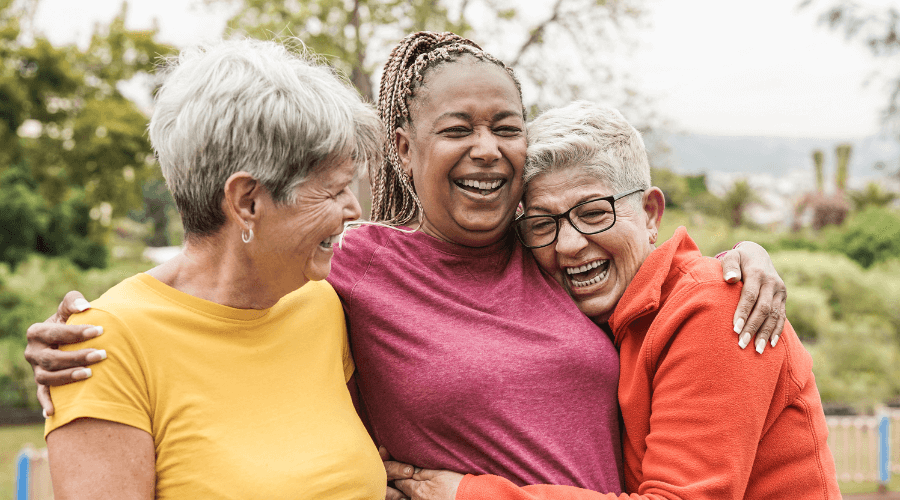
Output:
x,y
480,185
596,279
331,240
586,267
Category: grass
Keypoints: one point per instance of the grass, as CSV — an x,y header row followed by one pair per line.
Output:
x,y
12,439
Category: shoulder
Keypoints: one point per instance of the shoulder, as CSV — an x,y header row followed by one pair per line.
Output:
x,y
355,252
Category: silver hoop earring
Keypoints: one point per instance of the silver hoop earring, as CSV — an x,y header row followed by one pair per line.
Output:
x,y
247,236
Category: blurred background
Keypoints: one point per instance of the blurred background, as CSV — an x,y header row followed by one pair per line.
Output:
x,y
773,121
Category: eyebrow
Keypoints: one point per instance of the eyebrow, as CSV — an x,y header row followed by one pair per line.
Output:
x,y
462,115
580,200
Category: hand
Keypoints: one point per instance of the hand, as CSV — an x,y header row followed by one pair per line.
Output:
x,y
394,470
431,485
761,309
52,366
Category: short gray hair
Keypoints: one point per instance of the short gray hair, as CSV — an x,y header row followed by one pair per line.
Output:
x,y
253,106
592,137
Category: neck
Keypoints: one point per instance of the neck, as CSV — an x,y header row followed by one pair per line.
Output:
x,y
221,270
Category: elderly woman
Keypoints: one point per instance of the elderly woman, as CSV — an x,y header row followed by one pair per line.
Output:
x,y
457,367
592,219
258,146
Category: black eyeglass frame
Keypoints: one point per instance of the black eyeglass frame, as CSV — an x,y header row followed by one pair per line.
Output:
x,y
556,217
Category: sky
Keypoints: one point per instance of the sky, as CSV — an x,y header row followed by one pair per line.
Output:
x,y
714,67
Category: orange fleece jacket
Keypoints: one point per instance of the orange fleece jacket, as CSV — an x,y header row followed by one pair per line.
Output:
x,y
703,418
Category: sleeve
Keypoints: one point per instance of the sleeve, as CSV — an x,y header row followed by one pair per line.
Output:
x,y
117,389
488,487
710,399
346,356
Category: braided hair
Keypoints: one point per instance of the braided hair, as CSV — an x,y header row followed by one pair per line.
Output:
x,y
394,200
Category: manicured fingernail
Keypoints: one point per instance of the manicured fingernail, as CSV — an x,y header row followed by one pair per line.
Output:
x,y
98,355
730,276
81,373
760,345
775,339
744,340
81,305
738,325
94,331
45,413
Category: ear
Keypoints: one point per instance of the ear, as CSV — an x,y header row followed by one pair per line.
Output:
x,y
403,141
654,203
241,202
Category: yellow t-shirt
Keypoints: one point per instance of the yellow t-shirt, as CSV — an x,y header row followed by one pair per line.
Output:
x,y
240,403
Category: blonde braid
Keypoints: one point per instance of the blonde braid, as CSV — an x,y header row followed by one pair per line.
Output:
x,y
394,199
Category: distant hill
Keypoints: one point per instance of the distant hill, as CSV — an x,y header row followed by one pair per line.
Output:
x,y
695,153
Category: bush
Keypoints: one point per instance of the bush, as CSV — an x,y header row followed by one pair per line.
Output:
x,y
869,237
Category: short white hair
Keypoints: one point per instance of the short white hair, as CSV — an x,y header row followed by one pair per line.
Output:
x,y
253,106
592,137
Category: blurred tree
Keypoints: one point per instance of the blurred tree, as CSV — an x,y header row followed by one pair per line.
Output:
x,y
872,196
675,187
81,143
842,153
819,163
737,200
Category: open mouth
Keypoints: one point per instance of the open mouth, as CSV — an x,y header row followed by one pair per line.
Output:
x,y
483,188
331,240
588,274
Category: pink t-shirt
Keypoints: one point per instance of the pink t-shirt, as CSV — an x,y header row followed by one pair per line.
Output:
x,y
472,360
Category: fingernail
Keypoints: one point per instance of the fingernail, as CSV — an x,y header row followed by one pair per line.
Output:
x,y
98,355
730,275
775,339
81,373
738,325
82,305
94,331
407,470
418,470
760,345
744,340
45,414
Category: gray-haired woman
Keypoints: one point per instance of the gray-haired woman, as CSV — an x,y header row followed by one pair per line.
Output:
x,y
258,146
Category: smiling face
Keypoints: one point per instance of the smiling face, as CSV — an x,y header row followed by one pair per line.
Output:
x,y
299,236
465,151
594,269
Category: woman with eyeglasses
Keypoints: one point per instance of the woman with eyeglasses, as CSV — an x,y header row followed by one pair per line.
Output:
x,y
591,220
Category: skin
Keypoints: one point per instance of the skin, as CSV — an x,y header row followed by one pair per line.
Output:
x,y
468,127
92,458
624,246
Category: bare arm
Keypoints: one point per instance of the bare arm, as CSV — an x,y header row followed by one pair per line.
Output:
x,y
99,459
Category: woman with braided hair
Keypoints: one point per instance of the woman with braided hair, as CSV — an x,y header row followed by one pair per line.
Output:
x,y
458,368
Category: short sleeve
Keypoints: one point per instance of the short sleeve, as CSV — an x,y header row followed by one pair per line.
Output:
x,y
117,390
346,356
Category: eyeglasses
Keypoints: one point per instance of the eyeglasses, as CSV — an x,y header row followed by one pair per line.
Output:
x,y
588,217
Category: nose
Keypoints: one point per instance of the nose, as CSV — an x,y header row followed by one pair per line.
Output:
x,y
486,147
569,241
352,210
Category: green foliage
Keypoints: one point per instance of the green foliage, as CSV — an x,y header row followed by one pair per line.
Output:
x,y
870,236
872,196
85,155
31,293
675,187
849,314
737,200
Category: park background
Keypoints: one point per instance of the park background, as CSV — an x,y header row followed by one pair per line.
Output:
x,y
773,121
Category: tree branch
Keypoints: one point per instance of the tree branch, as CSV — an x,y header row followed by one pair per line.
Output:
x,y
537,33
